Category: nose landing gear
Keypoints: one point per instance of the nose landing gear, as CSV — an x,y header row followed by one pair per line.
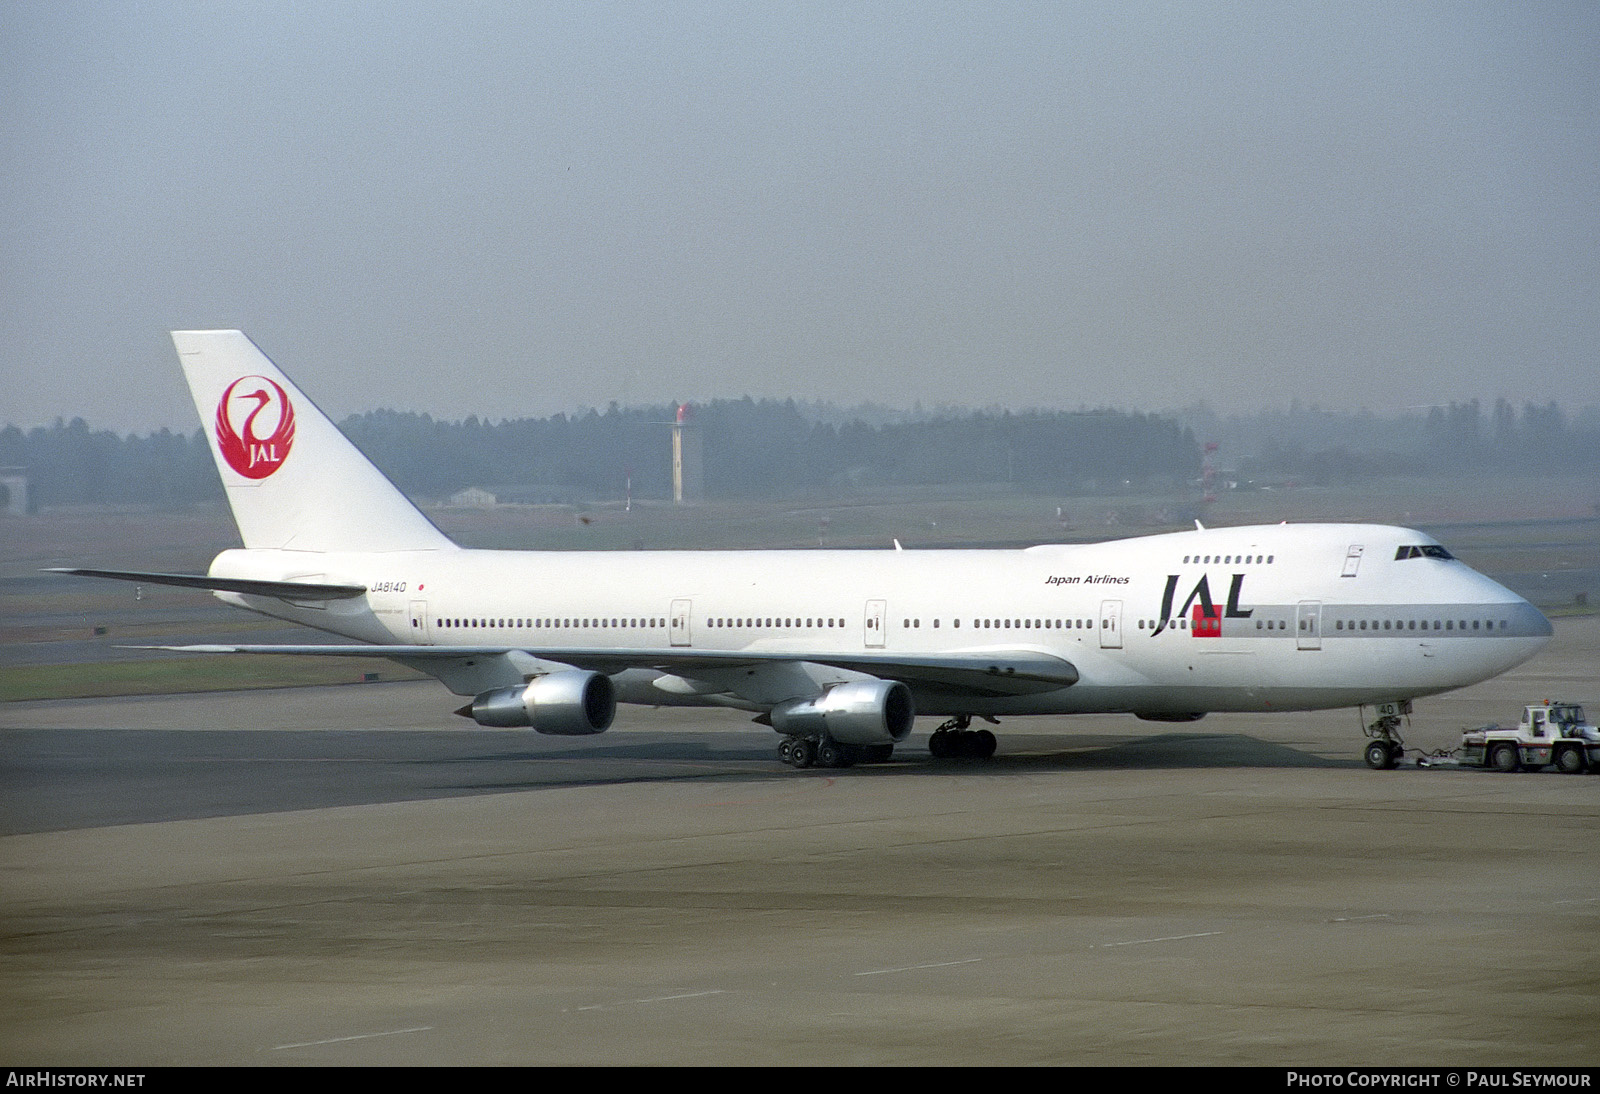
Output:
x,y
1386,748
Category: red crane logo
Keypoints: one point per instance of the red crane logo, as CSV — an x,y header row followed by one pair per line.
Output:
x,y
247,451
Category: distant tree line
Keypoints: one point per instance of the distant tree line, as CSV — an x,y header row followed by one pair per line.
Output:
x,y
1538,438
69,464
1322,446
768,448
752,448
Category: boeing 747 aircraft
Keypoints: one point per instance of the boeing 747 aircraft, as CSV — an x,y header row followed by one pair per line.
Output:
x,y
837,650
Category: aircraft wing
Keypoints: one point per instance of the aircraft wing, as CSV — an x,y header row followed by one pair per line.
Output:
x,y
285,590
979,672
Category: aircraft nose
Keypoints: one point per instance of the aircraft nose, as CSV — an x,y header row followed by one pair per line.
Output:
x,y
1518,618
1527,628
1526,619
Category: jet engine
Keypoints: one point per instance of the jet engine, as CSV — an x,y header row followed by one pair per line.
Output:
x,y
866,712
570,703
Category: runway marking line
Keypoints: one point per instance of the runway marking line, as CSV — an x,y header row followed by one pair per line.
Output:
x,y
913,968
656,999
356,1037
1166,938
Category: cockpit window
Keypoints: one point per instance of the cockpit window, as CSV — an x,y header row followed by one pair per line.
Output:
x,y
1426,550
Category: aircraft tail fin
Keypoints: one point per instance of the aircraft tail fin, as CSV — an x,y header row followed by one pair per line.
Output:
x,y
293,480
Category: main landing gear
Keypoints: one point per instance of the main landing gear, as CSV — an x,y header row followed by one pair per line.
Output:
x,y
955,741
1386,747
826,752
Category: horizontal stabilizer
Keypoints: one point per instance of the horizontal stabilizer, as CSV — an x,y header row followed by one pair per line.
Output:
x,y
285,590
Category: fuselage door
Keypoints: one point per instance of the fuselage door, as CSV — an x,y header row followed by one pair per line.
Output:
x,y
1308,625
1111,624
678,623
419,622
1352,560
876,611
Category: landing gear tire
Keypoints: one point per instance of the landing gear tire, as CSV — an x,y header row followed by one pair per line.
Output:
x,y
786,750
803,753
1570,761
1382,756
1504,758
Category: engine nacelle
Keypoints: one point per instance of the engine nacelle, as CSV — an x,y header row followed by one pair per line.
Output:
x,y
570,703
865,712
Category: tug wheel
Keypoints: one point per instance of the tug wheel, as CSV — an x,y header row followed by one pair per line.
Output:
x,y
1504,758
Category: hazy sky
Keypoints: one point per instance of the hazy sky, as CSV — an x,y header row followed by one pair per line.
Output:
x,y
516,208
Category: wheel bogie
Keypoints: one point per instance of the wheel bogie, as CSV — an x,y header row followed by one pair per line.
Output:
x,y
962,744
826,752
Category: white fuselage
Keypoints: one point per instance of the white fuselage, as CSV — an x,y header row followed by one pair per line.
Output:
x,y
1277,617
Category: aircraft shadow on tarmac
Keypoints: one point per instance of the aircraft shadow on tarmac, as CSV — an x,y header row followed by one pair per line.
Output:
x,y
1066,752
65,779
